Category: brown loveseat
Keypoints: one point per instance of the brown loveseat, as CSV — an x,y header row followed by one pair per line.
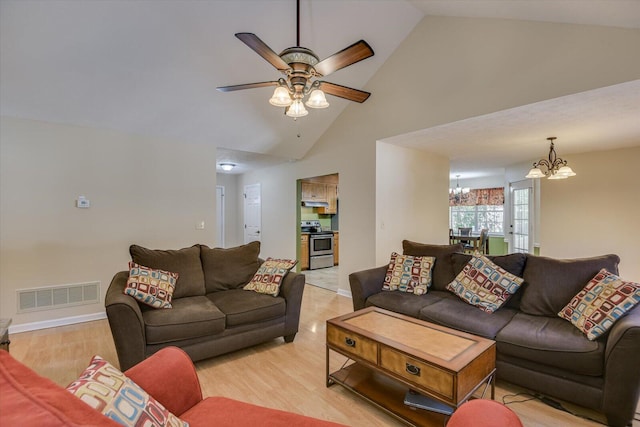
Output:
x,y
211,313
535,348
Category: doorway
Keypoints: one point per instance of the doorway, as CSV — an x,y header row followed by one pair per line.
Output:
x,y
220,216
318,229
252,213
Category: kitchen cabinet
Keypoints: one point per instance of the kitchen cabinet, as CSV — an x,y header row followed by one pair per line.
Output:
x,y
336,238
304,252
314,192
331,192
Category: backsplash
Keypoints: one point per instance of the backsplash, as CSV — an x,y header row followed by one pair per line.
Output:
x,y
308,214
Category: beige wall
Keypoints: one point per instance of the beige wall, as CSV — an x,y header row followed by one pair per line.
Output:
x,y
411,198
596,212
152,192
143,191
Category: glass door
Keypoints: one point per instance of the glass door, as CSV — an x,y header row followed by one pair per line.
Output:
x,y
521,217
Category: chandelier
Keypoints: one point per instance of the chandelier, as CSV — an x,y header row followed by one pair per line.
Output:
x,y
458,194
556,168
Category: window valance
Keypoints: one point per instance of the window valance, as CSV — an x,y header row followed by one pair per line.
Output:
x,y
479,196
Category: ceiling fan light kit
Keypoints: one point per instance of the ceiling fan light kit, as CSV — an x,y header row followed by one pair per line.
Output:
x,y
556,168
302,68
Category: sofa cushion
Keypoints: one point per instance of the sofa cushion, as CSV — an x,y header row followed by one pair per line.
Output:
x,y
190,317
551,283
241,307
106,389
604,300
483,284
451,312
443,268
150,286
553,342
407,273
229,268
186,262
402,302
269,276
513,263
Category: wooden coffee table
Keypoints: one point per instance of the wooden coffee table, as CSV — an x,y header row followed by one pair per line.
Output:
x,y
389,353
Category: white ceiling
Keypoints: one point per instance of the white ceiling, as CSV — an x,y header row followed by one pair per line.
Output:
x,y
600,119
151,67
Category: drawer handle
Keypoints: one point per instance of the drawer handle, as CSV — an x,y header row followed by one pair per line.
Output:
x,y
412,369
350,342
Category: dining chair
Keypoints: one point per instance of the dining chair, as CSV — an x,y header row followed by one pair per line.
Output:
x,y
465,231
483,246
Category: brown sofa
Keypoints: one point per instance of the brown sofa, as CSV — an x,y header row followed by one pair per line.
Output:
x,y
535,348
211,313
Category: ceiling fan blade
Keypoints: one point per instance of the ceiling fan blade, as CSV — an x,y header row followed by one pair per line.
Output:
x,y
347,56
263,50
344,92
246,86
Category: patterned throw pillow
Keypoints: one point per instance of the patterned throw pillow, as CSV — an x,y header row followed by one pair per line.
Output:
x,y
407,273
109,391
604,300
485,285
269,276
152,287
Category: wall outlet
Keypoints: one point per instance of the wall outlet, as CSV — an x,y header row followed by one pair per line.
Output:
x,y
200,225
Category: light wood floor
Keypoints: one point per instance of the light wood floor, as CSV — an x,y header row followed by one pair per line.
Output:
x,y
278,375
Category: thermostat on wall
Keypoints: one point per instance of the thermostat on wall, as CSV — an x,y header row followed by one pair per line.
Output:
x,y
83,202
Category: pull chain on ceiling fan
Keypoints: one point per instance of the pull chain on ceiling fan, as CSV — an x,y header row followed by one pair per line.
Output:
x,y
302,68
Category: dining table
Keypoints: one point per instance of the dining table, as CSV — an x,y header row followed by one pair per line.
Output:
x,y
474,240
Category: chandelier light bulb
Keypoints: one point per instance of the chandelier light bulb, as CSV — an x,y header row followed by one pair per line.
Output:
x,y
281,97
317,99
297,109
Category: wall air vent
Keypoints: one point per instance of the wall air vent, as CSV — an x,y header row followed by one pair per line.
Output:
x,y
51,297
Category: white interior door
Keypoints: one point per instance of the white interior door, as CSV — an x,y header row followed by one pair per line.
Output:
x,y
252,213
521,229
220,216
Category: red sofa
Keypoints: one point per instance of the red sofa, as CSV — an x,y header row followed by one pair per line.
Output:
x,y
27,399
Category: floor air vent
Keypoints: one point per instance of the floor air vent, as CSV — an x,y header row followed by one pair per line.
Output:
x,y
51,297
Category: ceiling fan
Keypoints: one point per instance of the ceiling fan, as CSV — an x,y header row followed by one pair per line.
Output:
x,y
302,68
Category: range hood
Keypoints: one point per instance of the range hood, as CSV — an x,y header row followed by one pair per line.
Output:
x,y
310,204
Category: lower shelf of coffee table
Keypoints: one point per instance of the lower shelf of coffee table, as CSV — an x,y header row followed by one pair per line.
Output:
x,y
384,392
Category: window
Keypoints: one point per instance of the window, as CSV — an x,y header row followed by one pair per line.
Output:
x,y
478,209
477,217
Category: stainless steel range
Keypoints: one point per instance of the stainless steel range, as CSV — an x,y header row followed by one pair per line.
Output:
x,y
320,244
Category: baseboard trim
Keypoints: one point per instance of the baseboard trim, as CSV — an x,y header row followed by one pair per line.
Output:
x,y
344,293
45,324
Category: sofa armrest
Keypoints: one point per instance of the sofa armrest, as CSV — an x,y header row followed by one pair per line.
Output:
x,y
366,283
291,290
126,322
170,377
622,370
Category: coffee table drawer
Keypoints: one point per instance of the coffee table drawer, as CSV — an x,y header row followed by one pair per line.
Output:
x,y
418,372
352,343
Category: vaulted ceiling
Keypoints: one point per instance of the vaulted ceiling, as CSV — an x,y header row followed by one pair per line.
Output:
x,y
151,67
